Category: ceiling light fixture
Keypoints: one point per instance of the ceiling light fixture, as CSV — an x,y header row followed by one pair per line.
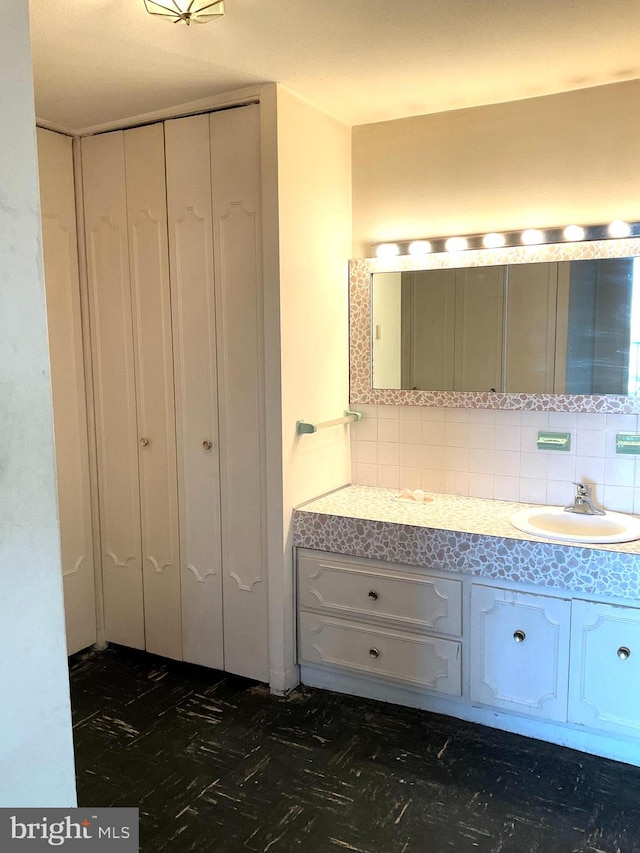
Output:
x,y
189,11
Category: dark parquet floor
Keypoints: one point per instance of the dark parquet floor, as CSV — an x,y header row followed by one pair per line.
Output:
x,y
215,763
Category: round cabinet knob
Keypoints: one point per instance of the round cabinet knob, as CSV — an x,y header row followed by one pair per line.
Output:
x,y
624,652
207,445
519,636
144,442
373,595
374,653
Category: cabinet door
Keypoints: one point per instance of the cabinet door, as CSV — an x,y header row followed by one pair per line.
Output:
x,y
194,346
531,328
237,236
60,250
520,651
105,211
479,329
605,667
151,302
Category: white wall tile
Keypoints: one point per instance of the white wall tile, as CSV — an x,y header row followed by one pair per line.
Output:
x,y
367,451
389,430
457,415
590,469
366,475
560,492
493,453
433,481
386,412
481,485
539,420
388,453
366,429
618,498
589,442
456,459
482,416
507,463
456,483
456,435
410,431
622,423
411,455
433,458
619,472
389,477
433,432
533,491
591,420
434,414
481,461
561,465
506,488
482,436
507,437
533,465
410,478
508,418
410,413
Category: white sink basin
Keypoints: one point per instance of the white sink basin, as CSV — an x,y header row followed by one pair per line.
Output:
x,y
552,522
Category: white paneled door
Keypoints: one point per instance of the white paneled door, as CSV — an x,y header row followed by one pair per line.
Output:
x,y
195,367
237,244
59,238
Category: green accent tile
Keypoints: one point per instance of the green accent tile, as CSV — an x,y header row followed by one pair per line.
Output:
x,y
554,441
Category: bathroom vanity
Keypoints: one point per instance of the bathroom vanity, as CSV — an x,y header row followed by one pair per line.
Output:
x,y
443,605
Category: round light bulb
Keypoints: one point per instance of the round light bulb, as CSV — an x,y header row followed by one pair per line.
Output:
x,y
574,232
618,228
419,247
387,250
493,240
532,236
456,244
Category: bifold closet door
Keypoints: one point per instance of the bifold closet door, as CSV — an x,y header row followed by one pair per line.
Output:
x,y
125,216
237,249
60,250
153,360
105,210
195,364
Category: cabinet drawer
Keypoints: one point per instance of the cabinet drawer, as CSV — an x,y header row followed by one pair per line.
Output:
x,y
604,685
520,651
424,662
355,590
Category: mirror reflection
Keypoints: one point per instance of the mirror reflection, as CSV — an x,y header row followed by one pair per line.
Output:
x,y
567,327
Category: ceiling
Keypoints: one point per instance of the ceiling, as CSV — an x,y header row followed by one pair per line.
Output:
x,y
362,61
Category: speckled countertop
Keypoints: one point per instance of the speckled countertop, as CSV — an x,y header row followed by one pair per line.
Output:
x,y
461,534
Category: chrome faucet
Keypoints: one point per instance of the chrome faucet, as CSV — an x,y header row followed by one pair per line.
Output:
x,y
583,504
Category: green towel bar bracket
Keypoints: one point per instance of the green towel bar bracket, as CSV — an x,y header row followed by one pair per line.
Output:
x,y
303,427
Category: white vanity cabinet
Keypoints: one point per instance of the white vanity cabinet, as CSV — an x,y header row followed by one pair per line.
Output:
x,y
376,619
604,691
520,651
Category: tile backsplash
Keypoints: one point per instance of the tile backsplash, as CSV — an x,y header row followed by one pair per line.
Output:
x,y
493,454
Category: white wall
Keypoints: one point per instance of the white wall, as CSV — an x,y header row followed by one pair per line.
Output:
x,y
36,750
314,179
543,161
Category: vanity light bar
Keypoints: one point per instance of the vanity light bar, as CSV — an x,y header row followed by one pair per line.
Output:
x,y
496,240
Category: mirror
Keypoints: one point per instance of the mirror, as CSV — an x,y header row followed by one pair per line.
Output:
x,y
553,327
562,327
